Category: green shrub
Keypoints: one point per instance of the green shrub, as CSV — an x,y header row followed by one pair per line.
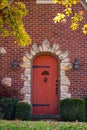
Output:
x,y
23,111
1,113
85,100
8,107
72,109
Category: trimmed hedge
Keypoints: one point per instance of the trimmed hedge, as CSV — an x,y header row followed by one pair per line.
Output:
x,y
23,111
8,106
72,109
85,100
1,112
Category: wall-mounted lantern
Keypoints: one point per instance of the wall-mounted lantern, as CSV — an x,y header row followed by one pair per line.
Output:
x,y
15,64
76,64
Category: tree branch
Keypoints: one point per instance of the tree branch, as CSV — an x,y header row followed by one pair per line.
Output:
x,y
11,1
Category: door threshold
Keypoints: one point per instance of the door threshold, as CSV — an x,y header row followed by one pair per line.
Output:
x,y
45,116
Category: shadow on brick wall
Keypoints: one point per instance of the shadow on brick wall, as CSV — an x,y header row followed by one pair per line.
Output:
x,y
6,91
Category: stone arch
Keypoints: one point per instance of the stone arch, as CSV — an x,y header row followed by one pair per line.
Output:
x,y
65,65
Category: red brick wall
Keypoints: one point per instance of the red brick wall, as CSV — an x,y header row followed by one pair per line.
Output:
x,y
39,24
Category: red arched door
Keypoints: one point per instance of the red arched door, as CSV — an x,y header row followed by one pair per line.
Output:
x,y
45,85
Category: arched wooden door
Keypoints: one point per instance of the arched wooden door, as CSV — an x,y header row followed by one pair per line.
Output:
x,y
45,85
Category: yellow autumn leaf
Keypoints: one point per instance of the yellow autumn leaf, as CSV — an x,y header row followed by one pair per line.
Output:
x,y
59,17
74,26
68,11
84,29
81,13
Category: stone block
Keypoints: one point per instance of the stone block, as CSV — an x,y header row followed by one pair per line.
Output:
x,y
26,59
26,83
25,90
65,66
33,52
2,51
45,45
64,80
58,52
25,65
66,60
55,47
27,71
35,48
63,55
62,72
50,49
40,48
28,77
29,102
6,81
24,77
64,89
65,95
29,55
27,97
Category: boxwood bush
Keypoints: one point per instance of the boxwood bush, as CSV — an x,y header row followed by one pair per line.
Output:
x,y
72,109
1,112
85,99
8,106
23,111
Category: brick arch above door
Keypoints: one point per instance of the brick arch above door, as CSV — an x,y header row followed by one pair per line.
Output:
x,y
65,65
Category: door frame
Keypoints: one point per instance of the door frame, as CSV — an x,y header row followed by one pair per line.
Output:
x,y
58,63
26,76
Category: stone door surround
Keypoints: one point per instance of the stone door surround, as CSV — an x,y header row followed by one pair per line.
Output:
x,y
65,65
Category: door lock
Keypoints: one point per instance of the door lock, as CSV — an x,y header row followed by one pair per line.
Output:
x,y
45,79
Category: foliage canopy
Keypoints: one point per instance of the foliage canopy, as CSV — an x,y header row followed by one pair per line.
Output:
x,y
11,15
11,19
76,17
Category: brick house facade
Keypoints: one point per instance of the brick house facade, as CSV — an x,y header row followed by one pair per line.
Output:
x,y
48,38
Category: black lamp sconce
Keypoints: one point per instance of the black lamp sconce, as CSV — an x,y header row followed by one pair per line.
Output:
x,y
76,65
15,64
